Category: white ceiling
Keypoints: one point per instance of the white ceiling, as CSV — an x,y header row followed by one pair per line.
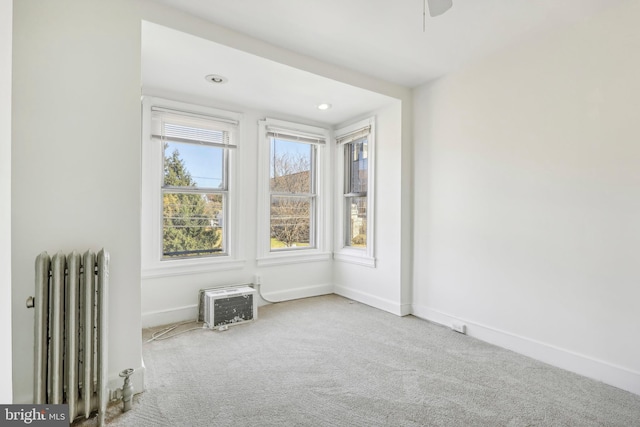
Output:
x,y
385,38
174,64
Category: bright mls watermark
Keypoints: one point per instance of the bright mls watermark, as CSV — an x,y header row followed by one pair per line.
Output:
x,y
34,415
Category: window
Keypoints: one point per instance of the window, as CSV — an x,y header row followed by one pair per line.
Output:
x,y
188,158
293,200
195,184
354,157
355,192
292,193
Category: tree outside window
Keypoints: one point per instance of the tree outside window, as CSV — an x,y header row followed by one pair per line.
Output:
x,y
292,198
193,215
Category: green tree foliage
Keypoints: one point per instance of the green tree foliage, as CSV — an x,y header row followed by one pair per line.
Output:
x,y
190,221
175,172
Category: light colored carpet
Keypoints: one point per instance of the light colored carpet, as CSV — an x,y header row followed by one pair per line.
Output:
x,y
328,361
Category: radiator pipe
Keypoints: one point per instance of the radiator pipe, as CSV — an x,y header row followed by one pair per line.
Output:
x,y
127,390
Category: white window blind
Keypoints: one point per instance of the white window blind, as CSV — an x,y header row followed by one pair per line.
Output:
x,y
294,135
192,128
353,136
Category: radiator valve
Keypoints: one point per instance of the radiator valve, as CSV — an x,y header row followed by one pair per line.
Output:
x,y
127,390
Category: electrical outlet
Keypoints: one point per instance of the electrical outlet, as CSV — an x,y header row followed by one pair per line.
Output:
x,y
459,327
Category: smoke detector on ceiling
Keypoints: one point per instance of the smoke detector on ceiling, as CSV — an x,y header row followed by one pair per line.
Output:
x,y
216,79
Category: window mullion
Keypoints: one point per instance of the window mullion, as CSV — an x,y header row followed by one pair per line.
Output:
x,y
312,171
347,169
192,190
225,169
286,194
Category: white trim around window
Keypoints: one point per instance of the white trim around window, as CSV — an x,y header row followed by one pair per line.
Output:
x,y
154,264
315,192
345,208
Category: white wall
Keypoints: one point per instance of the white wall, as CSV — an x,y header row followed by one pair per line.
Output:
x,y
76,113
6,26
76,160
527,198
174,298
407,193
381,286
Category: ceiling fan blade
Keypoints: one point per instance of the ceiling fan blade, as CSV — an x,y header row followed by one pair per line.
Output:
x,y
438,7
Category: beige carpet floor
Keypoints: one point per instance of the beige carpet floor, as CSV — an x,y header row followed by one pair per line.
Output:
x,y
328,361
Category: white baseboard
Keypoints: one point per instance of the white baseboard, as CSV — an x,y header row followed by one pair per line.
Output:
x,y
374,301
297,293
406,309
608,373
190,312
169,316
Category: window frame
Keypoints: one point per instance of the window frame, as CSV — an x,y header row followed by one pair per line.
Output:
x,y
319,228
223,191
154,264
343,252
311,195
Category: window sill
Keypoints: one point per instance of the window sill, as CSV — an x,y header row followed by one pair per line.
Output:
x,y
185,267
293,258
354,258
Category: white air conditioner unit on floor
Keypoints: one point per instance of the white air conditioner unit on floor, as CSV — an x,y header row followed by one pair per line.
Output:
x,y
232,306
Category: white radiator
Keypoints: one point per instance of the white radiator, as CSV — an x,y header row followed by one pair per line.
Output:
x,y
232,306
70,360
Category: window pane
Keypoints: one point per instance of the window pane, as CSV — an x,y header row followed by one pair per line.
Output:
x,y
356,222
291,166
193,165
357,166
290,222
192,224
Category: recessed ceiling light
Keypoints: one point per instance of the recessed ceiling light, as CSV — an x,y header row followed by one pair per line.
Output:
x,y
324,106
215,78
